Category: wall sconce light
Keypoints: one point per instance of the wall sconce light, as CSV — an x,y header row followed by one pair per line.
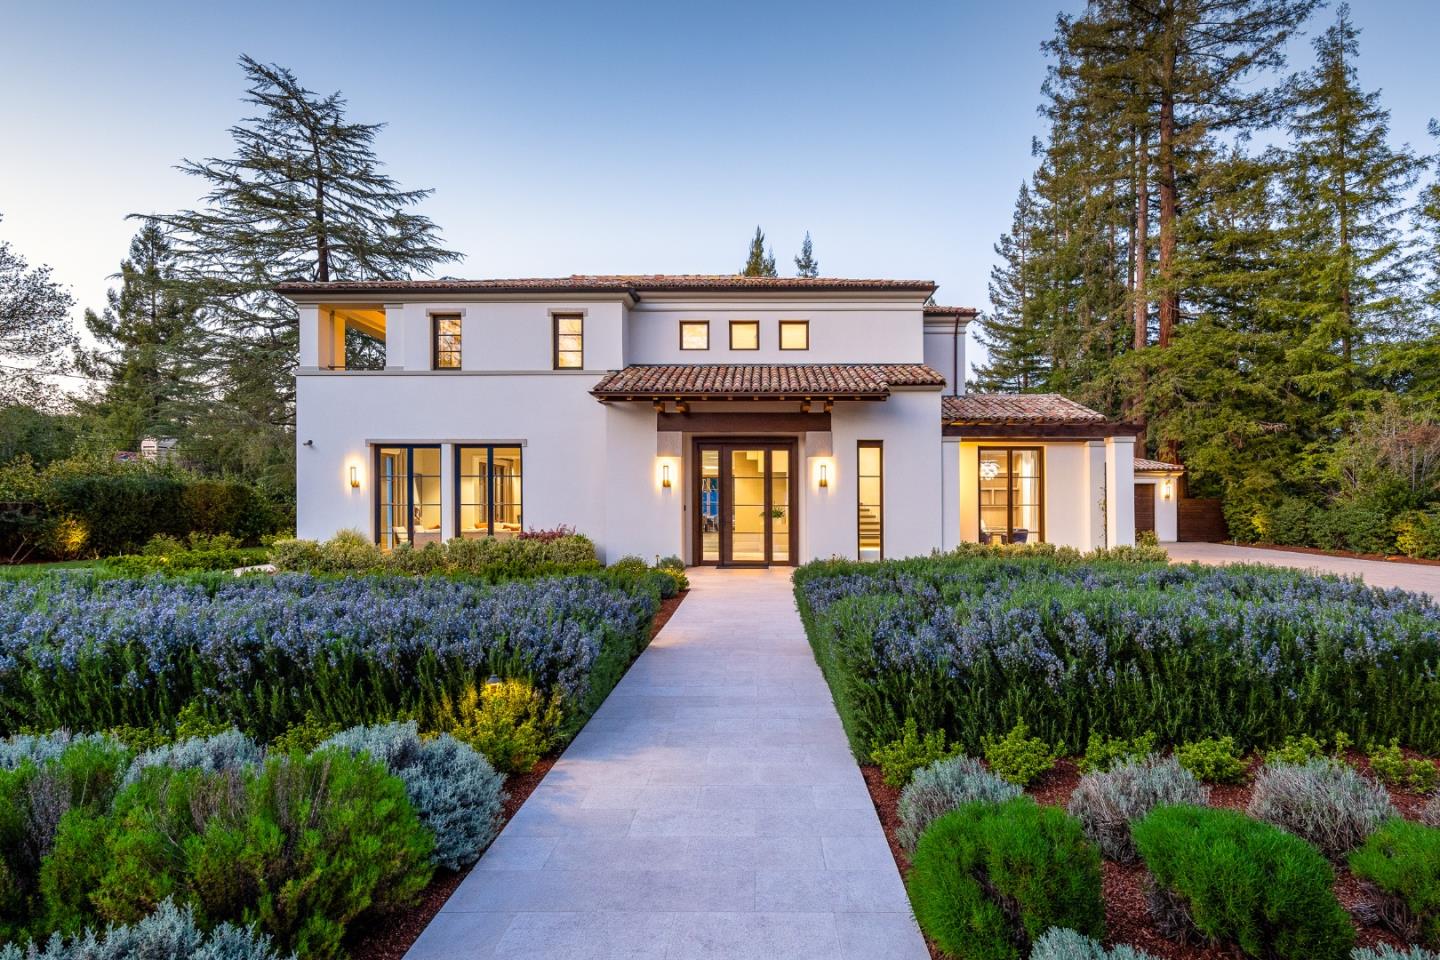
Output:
x,y
824,475
665,476
1167,488
354,476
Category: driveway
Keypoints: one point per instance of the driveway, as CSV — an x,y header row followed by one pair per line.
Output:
x,y
710,809
1421,578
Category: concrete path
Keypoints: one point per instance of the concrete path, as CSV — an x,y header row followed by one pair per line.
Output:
x,y
1421,578
711,808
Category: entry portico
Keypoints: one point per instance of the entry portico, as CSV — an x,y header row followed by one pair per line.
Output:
x,y
725,420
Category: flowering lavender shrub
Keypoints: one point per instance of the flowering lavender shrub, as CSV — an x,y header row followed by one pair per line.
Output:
x,y
975,640
86,652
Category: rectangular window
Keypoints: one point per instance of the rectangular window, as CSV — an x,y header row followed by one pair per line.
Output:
x,y
1010,495
569,341
488,484
407,496
870,496
744,335
445,329
794,334
695,335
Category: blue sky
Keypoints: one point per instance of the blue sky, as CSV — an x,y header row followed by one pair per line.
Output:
x,y
590,138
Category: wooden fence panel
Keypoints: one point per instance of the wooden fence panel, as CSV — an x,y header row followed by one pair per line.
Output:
x,y
1202,520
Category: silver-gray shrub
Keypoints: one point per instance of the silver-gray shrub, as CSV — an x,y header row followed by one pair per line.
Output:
x,y
170,933
1326,803
1430,813
1384,951
941,787
1107,803
41,747
455,791
1060,943
230,750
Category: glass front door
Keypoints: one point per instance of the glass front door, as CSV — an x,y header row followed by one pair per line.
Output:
x,y
744,497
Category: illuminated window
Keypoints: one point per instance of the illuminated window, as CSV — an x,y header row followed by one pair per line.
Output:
x,y
870,497
794,334
488,486
1011,498
407,496
445,332
695,335
569,341
744,335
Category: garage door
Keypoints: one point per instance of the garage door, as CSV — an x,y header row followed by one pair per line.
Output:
x,y
1144,507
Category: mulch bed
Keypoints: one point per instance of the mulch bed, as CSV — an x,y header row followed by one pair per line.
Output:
x,y
1127,919
1320,551
389,937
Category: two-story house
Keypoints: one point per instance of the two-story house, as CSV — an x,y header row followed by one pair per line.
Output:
x,y
723,419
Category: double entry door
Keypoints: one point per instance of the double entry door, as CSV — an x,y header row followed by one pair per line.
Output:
x,y
745,495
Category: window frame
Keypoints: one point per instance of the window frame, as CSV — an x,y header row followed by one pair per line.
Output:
x,y
409,448
1010,489
555,335
878,445
489,449
802,324
744,323
694,323
458,350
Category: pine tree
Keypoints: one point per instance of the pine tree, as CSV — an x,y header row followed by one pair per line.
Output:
x,y
806,265
1348,269
148,337
35,332
302,197
759,263
1011,332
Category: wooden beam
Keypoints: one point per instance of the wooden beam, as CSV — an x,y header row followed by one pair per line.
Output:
x,y
743,423
1055,431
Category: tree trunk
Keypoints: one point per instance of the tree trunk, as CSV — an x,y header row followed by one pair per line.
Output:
x,y
1169,209
322,240
1142,241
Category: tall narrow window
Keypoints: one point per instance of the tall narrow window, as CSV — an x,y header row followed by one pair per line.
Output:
x,y
407,496
744,335
794,334
488,484
694,334
569,341
870,493
1012,507
446,338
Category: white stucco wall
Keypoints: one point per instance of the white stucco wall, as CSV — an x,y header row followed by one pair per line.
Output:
x,y
1167,510
944,351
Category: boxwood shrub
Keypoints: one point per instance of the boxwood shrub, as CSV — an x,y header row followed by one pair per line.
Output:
x,y
1230,879
988,879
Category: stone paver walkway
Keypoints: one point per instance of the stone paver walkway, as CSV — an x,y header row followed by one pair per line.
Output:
x,y
711,808
1422,578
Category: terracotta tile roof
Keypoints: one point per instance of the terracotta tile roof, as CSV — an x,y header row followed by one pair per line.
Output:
x,y
790,380
1158,466
634,284
966,313
1035,408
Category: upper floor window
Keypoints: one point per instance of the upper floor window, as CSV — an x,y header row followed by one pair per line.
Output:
x,y
569,341
744,335
794,334
445,330
694,334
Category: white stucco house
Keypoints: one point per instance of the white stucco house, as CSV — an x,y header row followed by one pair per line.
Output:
x,y
722,419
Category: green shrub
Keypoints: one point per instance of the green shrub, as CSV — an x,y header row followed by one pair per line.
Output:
x,y
1289,522
989,879
1391,765
1321,801
1296,750
1417,534
670,563
1103,752
1147,538
306,735
300,847
899,759
489,558
1359,527
944,785
1401,864
630,564
509,722
1058,943
1019,758
1108,803
1235,880
1214,759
